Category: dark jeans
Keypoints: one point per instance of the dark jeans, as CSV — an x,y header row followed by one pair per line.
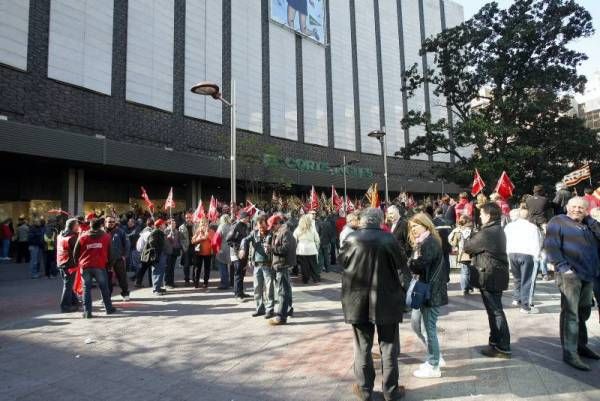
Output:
x,y
22,252
446,256
283,292
575,309
309,268
499,333
389,346
50,263
521,267
145,267
68,297
117,268
231,274
324,256
239,270
187,259
201,261
102,281
170,270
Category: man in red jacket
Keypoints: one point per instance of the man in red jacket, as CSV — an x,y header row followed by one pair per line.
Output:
x,y
65,246
92,252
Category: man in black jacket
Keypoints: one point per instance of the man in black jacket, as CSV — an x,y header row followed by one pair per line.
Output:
x,y
238,232
283,249
487,249
373,295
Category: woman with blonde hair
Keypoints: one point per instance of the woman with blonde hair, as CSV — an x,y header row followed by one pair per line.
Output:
x,y
308,243
427,266
202,240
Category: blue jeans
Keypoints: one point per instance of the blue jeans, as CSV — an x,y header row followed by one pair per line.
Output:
x,y
102,280
522,269
35,258
223,274
427,316
158,273
5,247
576,299
541,265
263,288
283,292
324,257
68,297
464,276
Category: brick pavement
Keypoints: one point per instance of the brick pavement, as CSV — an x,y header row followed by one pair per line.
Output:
x,y
201,345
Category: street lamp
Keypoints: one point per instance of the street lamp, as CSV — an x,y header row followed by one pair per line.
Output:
x,y
379,134
211,89
343,165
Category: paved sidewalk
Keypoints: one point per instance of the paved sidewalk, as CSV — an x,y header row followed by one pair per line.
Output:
x,y
201,345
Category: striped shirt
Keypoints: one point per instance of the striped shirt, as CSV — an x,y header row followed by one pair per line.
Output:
x,y
573,245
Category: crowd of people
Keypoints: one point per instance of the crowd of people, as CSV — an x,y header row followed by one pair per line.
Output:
x,y
394,260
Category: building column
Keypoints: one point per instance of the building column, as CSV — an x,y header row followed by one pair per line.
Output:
x,y
194,193
75,182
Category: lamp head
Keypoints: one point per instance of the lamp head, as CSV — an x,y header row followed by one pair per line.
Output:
x,y
377,134
207,88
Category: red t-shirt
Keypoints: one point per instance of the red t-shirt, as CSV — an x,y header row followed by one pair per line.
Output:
x,y
340,223
93,250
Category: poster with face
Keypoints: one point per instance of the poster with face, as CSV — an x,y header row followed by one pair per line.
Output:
x,y
303,16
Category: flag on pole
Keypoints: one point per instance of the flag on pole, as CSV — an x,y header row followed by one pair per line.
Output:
x,y
373,195
504,187
336,201
213,215
350,206
313,203
250,208
199,212
478,184
575,177
147,200
170,203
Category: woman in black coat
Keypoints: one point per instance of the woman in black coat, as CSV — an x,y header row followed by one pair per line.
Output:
x,y
427,265
490,274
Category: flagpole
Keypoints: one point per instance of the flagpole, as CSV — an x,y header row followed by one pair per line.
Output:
x,y
345,189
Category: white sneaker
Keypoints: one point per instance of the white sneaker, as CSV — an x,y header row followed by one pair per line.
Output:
x,y
427,372
515,303
441,363
125,298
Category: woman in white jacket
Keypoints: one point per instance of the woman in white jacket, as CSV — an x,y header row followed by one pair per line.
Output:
x,y
308,242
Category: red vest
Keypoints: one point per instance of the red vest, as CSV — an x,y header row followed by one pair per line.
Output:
x,y
63,252
93,250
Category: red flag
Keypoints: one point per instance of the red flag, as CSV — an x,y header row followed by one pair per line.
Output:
x,y
170,203
314,200
147,200
199,213
478,184
250,208
336,200
213,215
373,195
349,206
504,187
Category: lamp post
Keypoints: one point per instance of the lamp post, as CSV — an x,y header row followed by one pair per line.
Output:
x,y
344,165
379,134
211,89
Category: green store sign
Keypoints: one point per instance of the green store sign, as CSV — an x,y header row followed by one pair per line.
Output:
x,y
314,166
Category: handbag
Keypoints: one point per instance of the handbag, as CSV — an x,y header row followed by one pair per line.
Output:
x,y
418,293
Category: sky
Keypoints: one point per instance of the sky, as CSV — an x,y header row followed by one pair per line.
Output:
x,y
586,45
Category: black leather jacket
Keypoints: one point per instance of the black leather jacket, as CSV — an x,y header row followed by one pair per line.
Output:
x,y
373,277
488,255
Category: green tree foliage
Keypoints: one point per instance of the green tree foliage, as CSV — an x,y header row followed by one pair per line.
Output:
x,y
521,124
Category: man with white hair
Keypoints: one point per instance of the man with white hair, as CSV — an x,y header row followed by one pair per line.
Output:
x,y
399,227
572,242
523,243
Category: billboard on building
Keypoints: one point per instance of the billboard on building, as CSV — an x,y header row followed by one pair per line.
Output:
x,y
303,16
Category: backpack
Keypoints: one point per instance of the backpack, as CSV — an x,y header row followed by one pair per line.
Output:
x,y
142,240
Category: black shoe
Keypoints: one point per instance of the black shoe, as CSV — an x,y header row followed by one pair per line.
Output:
x,y
87,315
138,285
196,285
269,315
246,296
291,312
587,353
256,314
466,292
493,352
111,310
575,362
187,283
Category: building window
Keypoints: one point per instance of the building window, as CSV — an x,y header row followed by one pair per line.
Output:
x,y
81,42
314,93
282,83
150,39
203,55
14,30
